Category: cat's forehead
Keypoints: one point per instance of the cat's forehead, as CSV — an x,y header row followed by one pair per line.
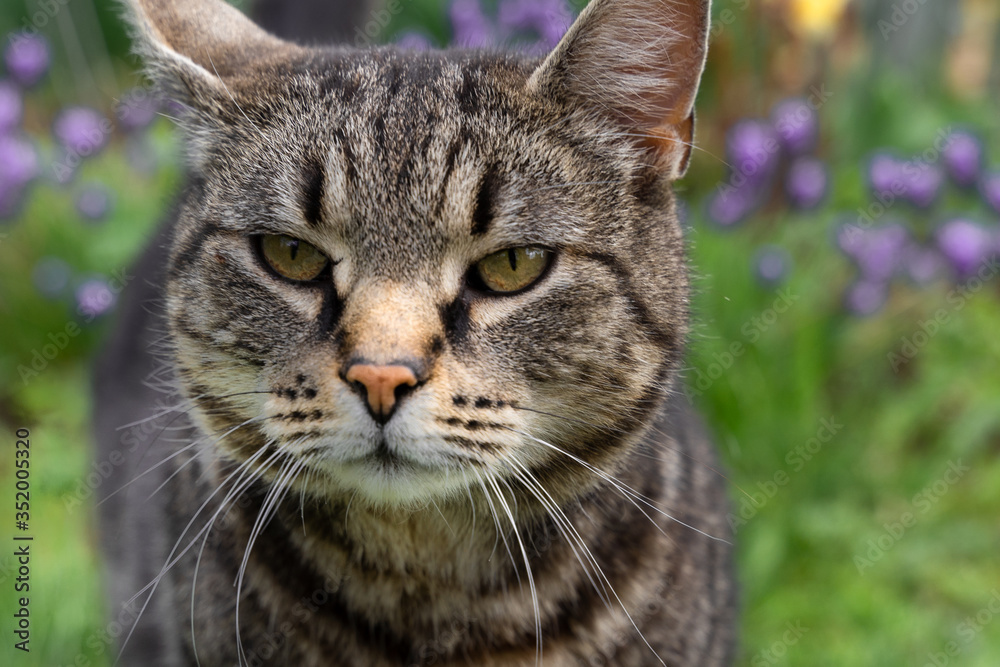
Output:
x,y
400,151
419,82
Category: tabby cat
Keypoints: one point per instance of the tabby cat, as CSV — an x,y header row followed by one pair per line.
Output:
x,y
397,384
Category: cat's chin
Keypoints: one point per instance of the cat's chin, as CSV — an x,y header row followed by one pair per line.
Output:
x,y
386,480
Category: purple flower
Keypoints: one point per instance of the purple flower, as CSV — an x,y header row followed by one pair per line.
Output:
x,y
916,181
82,131
797,125
989,188
548,18
137,109
866,297
27,58
806,183
878,251
963,158
18,167
753,150
470,28
965,245
93,203
731,205
771,265
411,40
885,174
51,277
923,185
11,106
94,297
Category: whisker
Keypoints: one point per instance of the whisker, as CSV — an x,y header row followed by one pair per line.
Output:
x,y
628,491
527,566
638,452
238,487
276,493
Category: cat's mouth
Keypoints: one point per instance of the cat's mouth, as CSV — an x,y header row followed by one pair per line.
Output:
x,y
386,471
385,458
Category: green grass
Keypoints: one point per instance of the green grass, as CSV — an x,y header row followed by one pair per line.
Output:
x,y
899,434
66,596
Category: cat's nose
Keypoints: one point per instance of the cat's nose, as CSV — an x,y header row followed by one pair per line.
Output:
x,y
384,385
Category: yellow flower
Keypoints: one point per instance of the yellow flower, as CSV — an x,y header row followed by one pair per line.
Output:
x,y
815,18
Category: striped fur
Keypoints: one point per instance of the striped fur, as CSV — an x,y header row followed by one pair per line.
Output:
x,y
539,498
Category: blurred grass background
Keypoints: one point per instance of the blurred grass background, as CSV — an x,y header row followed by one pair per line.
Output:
x,y
830,573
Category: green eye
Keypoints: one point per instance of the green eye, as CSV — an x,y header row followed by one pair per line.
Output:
x,y
292,258
512,269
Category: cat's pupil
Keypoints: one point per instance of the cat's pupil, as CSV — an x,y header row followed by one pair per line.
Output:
x,y
293,248
512,258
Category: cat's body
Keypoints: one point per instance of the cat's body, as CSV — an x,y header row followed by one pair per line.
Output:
x,y
445,463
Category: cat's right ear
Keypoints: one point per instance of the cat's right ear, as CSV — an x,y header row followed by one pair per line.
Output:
x,y
192,47
639,63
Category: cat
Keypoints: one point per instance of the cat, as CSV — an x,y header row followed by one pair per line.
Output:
x,y
397,384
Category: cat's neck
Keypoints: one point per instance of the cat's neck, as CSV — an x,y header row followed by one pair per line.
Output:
x,y
456,543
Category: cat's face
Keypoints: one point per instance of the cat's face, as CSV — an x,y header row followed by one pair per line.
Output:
x,y
486,226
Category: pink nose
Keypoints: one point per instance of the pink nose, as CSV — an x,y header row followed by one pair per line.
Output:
x,y
382,383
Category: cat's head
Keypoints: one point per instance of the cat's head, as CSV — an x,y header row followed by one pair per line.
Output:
x,y
414,272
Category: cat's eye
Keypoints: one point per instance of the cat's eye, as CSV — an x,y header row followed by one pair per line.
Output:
x,y
291,258
511,270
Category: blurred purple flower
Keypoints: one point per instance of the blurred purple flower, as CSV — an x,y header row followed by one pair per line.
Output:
x,y
924,185
797,125
137,109
753,150
866,297
771,265
81,130
51,277
885,174
11,106
18,167
470,28
878,251
94,297
963,158
731,205
806,183
27,58
548,18
917,181
411,40
965,245
989,188
93,203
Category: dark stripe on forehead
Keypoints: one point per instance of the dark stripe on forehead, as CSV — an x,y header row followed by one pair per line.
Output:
x,y
449,166
482,215
469,94
341,140
313,180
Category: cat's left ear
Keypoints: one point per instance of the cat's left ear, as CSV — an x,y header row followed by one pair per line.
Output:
x,y
639,62
192,47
